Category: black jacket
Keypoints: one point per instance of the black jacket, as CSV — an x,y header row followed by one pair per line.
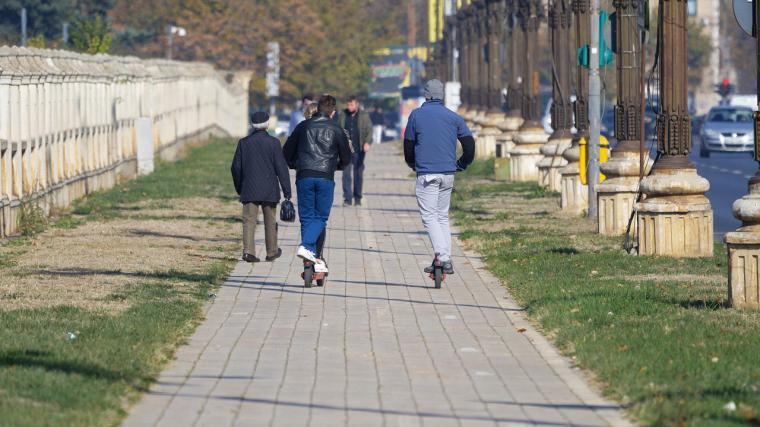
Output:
x,y
257,167
317,148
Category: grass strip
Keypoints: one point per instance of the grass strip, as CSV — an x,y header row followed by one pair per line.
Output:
x,y
654,332
64,365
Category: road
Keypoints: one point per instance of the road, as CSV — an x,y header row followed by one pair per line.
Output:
x,y
728,174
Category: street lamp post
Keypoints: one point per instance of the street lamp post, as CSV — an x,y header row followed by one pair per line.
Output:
x,y
531,136
493,17
560,23
574,195
675,218
744,243
617,194
463,42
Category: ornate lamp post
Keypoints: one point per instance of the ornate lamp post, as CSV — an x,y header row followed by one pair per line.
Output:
x,y
675,218
617,194
493,17
560,21
531,135
744,243
574,193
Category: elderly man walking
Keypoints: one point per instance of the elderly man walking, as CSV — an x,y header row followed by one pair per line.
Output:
x,y
359,127
258,172
430,147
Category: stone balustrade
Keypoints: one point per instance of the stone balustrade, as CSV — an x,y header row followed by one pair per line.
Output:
x,y
67,121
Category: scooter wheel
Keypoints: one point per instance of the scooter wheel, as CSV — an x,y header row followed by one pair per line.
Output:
x,y
308,276
438,277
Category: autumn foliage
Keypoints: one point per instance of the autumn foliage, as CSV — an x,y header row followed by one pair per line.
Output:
x,y
325,44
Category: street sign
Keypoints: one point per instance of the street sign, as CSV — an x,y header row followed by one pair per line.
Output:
x,y
273,69
744,11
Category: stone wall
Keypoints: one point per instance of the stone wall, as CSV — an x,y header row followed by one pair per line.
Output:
x,y
67,121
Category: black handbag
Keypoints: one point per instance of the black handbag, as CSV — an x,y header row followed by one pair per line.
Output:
x,y
287,211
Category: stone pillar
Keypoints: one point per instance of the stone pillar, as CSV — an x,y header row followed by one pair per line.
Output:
x,y
513,119
675,218
617,194
492,95
531,135
466,26
744,243
574,198
560,21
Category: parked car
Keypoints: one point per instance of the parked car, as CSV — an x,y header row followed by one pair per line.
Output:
x,y
546,119
727,129
283,125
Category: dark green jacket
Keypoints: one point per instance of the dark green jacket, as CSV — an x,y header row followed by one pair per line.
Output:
x,y
365,128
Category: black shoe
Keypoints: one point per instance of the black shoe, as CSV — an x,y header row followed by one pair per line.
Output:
x,y
250,258
448,268
347,203
275,256
358,202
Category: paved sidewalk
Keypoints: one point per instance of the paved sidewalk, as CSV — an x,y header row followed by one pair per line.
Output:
x,y
377,346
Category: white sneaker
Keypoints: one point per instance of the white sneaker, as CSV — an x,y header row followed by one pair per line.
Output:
x,y
306,254
320,267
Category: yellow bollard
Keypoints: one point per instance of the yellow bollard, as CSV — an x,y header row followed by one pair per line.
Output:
x,y
604,154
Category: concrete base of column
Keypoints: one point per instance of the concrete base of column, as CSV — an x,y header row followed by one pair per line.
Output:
x,y
743,269
552,162
675,219
526,154
744,251
617,194
574,195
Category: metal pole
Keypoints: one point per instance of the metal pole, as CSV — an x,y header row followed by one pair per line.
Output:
x,y
594,107
169,42
65,37
23,27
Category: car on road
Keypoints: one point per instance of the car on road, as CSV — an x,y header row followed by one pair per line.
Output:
x,y
283,125
727,129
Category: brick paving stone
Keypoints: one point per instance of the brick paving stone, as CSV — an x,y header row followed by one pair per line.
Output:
x,y
377,345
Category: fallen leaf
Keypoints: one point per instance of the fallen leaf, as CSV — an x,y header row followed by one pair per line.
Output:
x,y
623,348
521,330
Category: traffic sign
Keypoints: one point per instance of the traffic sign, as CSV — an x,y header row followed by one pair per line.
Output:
x,y
744,11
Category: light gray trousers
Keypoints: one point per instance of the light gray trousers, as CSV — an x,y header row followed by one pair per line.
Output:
x,y
434,200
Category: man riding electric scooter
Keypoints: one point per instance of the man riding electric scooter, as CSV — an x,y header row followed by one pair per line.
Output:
x,y
430,146
316,149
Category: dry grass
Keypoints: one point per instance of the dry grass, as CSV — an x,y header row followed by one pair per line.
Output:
x,y
83,267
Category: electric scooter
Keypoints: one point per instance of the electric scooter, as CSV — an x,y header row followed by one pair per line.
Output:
x,y
437,274
309,274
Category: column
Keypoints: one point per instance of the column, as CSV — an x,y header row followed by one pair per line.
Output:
x,y
463,43
574,195
560,21
531,135
617,194
494,19
675,218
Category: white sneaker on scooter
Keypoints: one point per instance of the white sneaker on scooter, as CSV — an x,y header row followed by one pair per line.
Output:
x,y
306,254
320,267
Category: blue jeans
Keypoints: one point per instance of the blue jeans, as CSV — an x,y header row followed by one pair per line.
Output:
x,y
315,199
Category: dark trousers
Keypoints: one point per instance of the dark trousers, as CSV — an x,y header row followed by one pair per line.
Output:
x,y
250,215
315,199
353,178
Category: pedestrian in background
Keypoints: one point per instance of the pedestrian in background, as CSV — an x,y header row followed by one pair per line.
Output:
x,y
259,171
297,116
377,125
430,149
359,127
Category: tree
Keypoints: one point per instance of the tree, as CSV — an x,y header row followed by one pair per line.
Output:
x,y
91,36
44,17
325,44
698,49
